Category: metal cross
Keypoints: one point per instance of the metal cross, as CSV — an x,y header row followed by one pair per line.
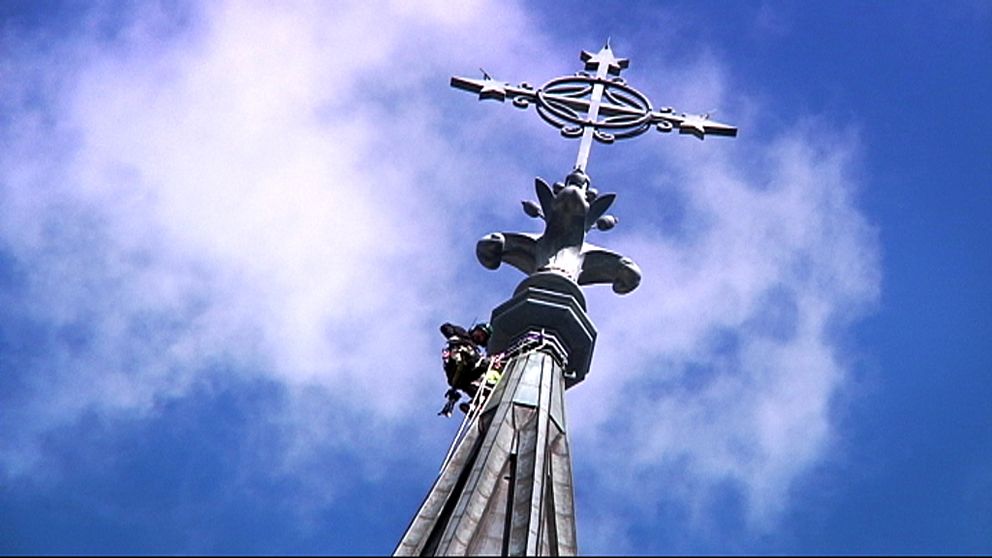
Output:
x,y
573,104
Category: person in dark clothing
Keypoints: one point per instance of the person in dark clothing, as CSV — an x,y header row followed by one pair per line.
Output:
x,y
464,361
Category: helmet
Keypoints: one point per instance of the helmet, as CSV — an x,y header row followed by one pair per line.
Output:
x,y
481,333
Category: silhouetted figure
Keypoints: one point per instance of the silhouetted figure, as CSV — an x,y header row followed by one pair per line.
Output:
x,y
464,362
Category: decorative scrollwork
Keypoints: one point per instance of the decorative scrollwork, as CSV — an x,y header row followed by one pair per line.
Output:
x,y
663,126
594,106
564,103
522,102
572,131
603,137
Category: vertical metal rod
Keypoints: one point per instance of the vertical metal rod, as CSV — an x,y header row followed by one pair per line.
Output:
x,y
585,146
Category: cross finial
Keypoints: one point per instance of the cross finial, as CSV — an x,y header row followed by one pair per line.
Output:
x,y
599,107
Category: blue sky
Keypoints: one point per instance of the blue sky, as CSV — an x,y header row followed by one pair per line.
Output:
x,y
228,235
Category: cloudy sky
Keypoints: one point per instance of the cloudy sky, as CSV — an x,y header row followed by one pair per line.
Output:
x,y
229,231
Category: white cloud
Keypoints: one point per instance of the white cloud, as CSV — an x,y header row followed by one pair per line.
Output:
x,y
238,190
725,366
280,187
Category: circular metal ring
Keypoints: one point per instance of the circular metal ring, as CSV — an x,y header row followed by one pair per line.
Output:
x,y
564,103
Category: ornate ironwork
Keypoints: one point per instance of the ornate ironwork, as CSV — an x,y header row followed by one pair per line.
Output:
x,y
506,485
569,210
595,104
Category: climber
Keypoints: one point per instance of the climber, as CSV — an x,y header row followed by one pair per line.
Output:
x,y
464,361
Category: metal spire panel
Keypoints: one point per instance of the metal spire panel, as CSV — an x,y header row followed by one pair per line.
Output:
x,y
507,488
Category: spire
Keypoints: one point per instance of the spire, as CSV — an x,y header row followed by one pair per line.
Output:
x,y
506,485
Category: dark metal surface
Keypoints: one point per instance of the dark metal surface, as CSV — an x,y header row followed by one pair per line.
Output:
x,y
569,215
556,304
595,104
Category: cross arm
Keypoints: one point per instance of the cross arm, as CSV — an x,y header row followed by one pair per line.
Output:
x,y
665,119
488,88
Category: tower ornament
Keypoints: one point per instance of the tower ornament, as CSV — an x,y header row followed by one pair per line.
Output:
x,y
569,210
594,104
505,485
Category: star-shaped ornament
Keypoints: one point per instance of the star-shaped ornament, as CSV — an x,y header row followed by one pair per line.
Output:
x,y
605,56
492,89
487,87
694,125
700,125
